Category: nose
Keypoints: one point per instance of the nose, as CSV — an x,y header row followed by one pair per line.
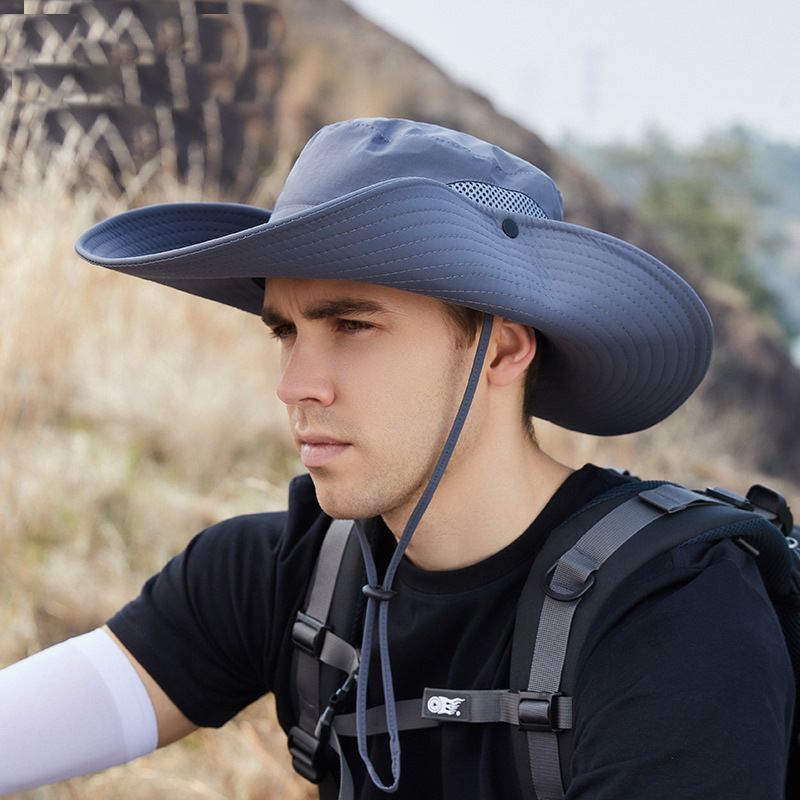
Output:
x,y
305,375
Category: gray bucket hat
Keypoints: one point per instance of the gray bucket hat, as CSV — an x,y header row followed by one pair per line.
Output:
x,y
426,209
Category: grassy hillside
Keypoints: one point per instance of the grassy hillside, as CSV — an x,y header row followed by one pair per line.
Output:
x,y
130,418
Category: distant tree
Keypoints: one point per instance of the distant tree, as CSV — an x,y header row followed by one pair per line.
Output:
x,y
688,213
707,202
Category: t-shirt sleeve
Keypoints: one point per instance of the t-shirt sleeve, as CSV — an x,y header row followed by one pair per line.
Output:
x,y
203,627
688,693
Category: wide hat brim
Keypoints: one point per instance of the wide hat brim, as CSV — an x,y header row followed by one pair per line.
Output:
x,y
626,339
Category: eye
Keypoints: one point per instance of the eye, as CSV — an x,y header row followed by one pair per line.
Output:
x,y
282,331
352,325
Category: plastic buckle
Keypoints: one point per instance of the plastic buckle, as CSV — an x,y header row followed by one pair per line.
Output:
x,y
308,633
340,696
773,502
731,498
305,749
537,711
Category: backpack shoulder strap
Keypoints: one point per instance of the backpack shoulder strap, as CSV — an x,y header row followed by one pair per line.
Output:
x,y
318,634
582,563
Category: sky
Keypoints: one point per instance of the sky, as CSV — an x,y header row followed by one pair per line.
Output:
x,y
608,69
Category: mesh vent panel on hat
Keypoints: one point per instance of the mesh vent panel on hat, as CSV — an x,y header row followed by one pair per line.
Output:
x,y
488,194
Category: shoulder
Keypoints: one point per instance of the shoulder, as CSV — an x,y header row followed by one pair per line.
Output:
x,y
688,653
699,581
709,586
210,627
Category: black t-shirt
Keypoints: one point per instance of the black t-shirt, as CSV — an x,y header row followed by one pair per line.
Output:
x,y
684,691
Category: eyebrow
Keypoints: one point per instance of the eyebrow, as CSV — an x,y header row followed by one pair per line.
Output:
x,y
325,310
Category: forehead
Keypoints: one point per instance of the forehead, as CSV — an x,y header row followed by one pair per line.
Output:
x,y
284,294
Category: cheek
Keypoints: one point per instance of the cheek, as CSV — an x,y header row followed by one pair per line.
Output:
x,y
409,404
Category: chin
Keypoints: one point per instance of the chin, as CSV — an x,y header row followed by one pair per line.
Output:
x,y
336,503
342,502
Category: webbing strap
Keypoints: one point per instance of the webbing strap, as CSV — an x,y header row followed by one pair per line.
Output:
x,y
463,705
408,718
314,642
338,653
328,563
567,581
346,788
497,705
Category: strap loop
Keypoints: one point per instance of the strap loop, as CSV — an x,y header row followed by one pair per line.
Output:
x,y
565,596
669,498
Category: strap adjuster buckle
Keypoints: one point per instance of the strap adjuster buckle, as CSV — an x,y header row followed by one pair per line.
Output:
x,y
308,633
774,503
539,712
729,497
305,750
305,747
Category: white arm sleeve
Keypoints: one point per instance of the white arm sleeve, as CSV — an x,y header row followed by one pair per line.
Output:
x,y
74,708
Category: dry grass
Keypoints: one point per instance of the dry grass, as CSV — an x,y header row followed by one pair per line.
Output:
x,y
132,416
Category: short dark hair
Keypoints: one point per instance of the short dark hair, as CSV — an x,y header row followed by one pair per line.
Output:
x,y
467,323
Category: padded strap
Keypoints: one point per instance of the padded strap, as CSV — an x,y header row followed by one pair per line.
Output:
x,y
567,581
309,632
315,643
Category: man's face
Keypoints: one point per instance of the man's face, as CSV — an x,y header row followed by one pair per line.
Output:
x,y
372,380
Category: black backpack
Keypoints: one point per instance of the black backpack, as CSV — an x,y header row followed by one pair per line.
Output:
x,y
579,566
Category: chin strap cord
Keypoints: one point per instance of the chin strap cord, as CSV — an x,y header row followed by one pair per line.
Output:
x,y
378,596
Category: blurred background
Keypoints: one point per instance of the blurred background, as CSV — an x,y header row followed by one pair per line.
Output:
x,y
132,416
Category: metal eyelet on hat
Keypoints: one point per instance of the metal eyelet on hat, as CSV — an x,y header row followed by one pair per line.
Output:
x,y
510,228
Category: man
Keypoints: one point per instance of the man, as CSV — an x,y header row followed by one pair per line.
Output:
x,y
392,244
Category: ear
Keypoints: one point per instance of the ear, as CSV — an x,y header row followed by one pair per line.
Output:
x,y
511,352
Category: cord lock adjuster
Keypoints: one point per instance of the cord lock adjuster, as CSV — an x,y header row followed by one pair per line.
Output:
x,y
377,592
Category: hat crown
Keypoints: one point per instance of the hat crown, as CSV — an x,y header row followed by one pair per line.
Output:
x,y
346,156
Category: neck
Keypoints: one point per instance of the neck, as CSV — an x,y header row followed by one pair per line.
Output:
x,y
485,500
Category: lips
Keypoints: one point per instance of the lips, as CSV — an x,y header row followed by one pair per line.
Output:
x,y
318,451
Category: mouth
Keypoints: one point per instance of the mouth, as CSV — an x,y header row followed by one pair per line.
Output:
x,y
318,451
